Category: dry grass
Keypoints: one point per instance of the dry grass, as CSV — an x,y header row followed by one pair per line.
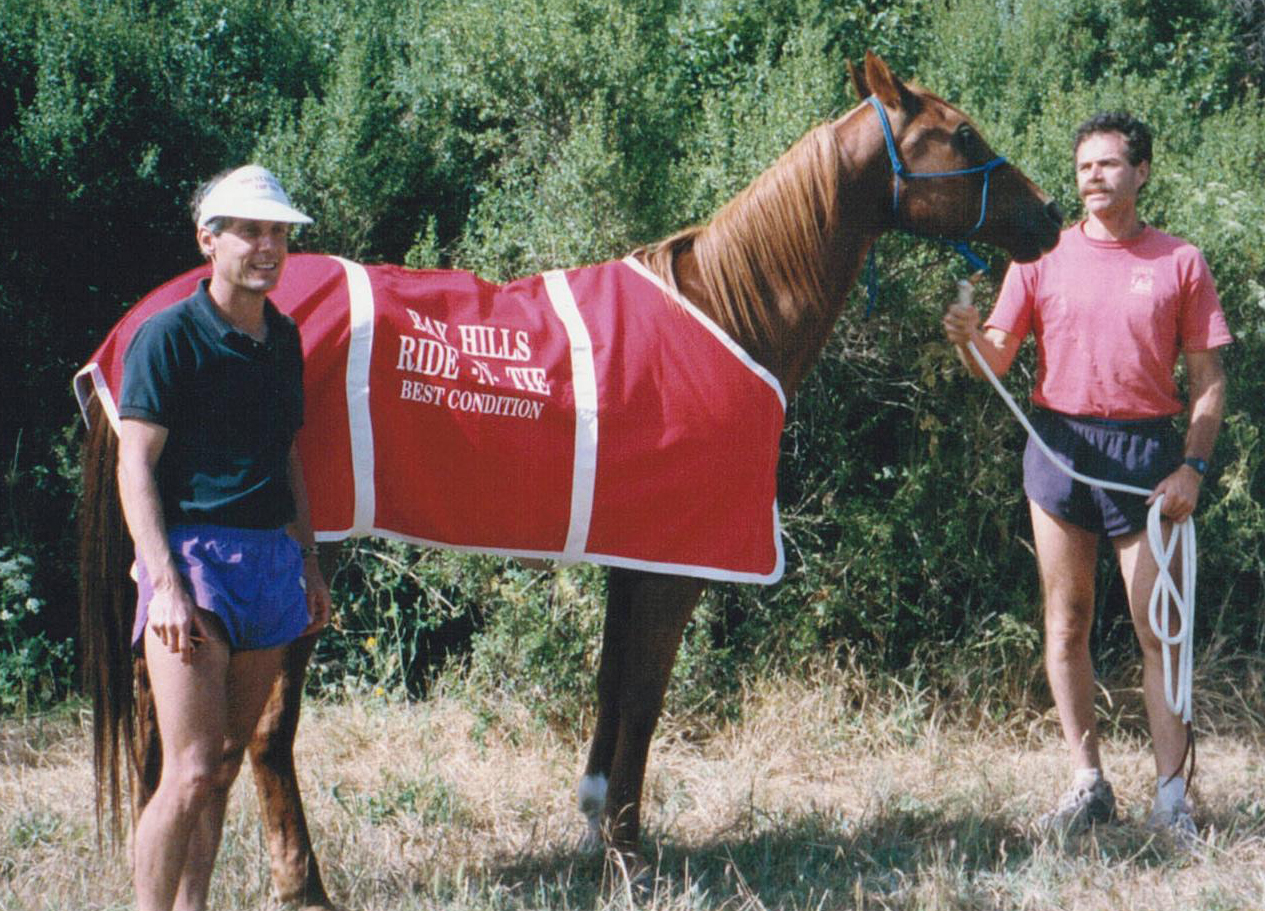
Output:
x,y
828,793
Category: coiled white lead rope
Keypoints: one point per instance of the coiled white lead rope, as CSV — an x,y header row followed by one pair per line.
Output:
x,y
1165,595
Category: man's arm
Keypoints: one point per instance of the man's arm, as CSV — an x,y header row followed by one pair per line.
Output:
x,y
172,613
319,602
998,347
1207,405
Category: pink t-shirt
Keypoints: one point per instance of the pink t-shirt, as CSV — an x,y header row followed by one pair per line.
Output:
x,y
1110,318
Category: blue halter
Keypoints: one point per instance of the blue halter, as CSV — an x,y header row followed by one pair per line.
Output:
x,y
899,172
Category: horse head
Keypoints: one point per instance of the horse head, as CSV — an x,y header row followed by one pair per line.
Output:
x,y
945,180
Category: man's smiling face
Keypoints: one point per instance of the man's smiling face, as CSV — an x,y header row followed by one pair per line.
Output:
x,y
248,255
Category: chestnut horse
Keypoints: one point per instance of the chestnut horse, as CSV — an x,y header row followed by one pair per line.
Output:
x,y
773,268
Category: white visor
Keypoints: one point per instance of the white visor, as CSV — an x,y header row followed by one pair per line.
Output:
x,y
249,192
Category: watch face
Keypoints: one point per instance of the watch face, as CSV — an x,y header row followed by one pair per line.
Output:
x,y
1198,464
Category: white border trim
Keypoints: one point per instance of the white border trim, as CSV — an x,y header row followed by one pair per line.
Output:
x,y
90,381
710,325
359,417
584,387
710,573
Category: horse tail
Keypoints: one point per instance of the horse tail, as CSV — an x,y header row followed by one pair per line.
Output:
x,y
107,606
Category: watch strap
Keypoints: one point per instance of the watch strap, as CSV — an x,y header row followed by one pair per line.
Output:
x,y
1200,465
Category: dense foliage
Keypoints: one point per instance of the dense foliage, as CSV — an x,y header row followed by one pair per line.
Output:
x,y
509,136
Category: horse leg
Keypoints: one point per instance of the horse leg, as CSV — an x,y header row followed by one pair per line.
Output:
x,y
646,615
597,771
295,873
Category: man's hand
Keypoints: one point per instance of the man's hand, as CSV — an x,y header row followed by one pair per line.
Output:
x,y
961,322
319,602
174,619
1180,491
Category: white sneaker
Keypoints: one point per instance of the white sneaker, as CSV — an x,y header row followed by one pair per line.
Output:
x,y
1079,808
1177,822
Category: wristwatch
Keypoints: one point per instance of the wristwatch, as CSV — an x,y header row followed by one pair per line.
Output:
x,y
1196,463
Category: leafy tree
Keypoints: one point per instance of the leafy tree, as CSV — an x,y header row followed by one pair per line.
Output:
x,y
423,133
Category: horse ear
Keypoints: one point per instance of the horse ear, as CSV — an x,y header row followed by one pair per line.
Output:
x,y
886,85
858,81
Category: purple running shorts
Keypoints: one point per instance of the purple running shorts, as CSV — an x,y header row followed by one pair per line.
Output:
x,y
1140,453
251,578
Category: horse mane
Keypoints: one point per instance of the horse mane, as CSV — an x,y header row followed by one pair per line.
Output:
x,y
765,248
107,605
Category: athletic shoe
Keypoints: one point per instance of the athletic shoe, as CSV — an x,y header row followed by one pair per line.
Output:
x,y
1175,822
1079,808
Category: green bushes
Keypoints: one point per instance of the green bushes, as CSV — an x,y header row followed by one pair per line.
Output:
x,y
512,137
33,670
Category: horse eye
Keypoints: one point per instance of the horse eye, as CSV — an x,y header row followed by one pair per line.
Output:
x,y
970,143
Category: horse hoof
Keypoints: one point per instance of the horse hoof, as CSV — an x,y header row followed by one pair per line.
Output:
x,y
591,841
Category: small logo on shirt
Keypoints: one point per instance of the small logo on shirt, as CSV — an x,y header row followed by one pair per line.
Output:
x,y
1142,281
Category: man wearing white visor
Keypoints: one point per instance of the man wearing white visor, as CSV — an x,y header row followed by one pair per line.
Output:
x,y
213,494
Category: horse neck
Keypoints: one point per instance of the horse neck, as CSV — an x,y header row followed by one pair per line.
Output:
x,y
784,323
805,329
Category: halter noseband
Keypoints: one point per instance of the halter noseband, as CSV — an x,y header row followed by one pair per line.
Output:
x,y
899,171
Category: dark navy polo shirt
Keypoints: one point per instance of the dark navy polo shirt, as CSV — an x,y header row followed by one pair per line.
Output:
x,y
231,407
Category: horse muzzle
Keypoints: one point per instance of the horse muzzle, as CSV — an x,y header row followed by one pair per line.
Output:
x,y
1039,234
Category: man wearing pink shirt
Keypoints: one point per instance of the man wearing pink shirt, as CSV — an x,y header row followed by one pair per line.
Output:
x,y
1111,309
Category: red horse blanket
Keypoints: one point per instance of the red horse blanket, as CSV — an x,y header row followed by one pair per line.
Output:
x,y
584,415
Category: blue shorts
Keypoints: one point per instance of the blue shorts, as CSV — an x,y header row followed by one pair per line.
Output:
x,y
251,578
1140,453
